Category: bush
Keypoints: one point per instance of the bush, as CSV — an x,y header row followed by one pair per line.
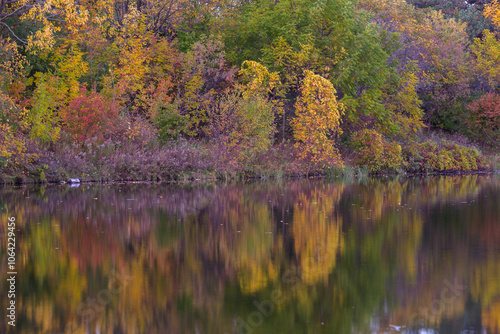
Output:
x,y
483,123
170,123
442,155
89,116
372,151
12,149
242,126
17,163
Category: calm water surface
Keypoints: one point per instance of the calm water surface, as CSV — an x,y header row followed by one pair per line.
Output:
x,y
385,255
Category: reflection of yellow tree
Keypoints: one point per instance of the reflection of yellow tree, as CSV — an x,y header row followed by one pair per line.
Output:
x,y
55,272
250,252
377,197
485,285
407,237
380,196
225,241
317,233
446,189
491,318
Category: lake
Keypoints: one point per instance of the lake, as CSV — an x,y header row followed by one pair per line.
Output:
x,y
366,255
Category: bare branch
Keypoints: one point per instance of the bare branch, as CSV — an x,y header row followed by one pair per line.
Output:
x,y
19,39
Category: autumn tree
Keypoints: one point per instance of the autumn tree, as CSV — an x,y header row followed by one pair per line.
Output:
x,y
433,47
257,80
317,120
89,116
12,82
469,12
483,122
242,126
487,49
12,112
206,75
487,58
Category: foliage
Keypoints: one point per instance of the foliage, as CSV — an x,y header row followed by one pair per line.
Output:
x,y
238,74
12,149
372,151
206,75
483,122
435,44
378,90
452,115
170,123
242,126
258,80
492,11
290,64
12,83
442,155
43,116
317,119
260,24
70,65
401,100
88,116
470,12
487,53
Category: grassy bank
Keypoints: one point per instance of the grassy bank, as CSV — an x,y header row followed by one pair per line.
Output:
x,y
184,160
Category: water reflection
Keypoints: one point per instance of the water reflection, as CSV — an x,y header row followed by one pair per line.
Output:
x,y
302,256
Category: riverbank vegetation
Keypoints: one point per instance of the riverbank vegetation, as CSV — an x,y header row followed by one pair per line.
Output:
x,y
167,89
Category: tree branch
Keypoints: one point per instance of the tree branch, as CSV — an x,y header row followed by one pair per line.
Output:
x,y
20,40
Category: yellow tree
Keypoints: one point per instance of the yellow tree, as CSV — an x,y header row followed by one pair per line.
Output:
x,y
317,120
487,52
258,80
487,49
492,12
12,148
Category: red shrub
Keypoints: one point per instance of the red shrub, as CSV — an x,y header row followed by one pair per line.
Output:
x,y
89,116
483,123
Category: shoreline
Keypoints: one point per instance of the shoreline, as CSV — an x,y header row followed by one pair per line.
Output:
x,y
32,182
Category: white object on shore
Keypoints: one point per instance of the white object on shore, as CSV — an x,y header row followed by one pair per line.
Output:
x,y
73,181
397,328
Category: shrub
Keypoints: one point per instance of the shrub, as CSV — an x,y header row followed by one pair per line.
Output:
x,y
483,123
372,151
392,157
170,123
442,155
16,161
12,149
89,116
242,126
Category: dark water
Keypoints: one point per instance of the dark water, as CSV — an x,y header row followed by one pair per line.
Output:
x,y
418,255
